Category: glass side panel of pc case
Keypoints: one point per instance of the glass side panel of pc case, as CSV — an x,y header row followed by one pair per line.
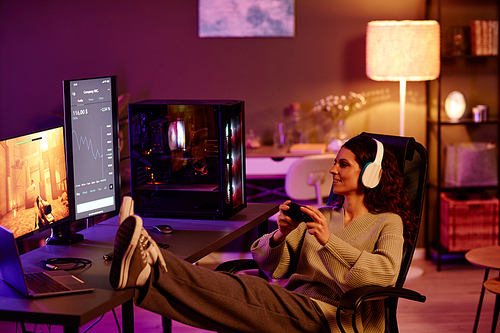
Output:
x,y
187,158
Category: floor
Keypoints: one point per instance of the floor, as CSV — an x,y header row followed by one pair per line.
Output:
x,y
452,298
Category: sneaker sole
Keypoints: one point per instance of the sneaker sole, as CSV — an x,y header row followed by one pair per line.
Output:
x,y
126,240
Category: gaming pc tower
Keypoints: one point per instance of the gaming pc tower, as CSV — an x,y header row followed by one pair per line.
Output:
x,y
187,158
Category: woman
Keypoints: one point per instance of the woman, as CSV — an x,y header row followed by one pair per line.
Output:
x,y
357,242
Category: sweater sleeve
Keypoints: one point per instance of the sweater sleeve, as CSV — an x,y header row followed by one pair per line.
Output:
x,y
281,261
369,259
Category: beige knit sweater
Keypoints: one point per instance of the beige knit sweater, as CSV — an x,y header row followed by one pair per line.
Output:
x,y
366,252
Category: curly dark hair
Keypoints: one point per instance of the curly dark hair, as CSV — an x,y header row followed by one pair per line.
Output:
x,y
389,195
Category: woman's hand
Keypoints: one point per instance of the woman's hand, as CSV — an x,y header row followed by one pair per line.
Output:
x,y
285,224
319,227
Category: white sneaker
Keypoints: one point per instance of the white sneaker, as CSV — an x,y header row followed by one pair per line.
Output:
x,y
134,254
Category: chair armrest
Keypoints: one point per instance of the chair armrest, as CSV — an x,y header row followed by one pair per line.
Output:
x,y
234,266
353,298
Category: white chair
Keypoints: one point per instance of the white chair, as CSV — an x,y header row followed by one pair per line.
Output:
x,y
309,179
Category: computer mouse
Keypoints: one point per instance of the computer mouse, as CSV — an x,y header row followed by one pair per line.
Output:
x,y
163,229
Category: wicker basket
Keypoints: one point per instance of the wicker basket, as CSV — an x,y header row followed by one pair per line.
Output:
x,y
468,221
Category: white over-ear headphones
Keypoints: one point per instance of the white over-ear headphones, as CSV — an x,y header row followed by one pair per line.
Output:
x,y
372,172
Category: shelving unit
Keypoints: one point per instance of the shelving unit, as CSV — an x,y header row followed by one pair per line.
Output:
x,y
478,78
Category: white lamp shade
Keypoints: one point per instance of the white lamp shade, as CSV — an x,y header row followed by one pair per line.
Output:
x,y
408,50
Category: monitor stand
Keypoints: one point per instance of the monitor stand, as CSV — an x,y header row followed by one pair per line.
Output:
x,y
62,235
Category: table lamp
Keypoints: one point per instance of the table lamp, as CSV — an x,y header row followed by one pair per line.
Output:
x,y
403,51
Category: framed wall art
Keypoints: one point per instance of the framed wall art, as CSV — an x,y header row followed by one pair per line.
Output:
x,y
246,18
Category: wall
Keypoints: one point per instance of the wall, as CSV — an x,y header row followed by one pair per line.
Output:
x,y
153,48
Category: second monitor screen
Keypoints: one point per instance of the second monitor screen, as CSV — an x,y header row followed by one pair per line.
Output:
x,y
91,136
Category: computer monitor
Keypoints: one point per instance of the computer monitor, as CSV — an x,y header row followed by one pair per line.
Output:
x,y
91,133
33,190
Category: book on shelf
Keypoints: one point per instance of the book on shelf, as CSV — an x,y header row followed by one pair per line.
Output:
x,y
484,37
494,37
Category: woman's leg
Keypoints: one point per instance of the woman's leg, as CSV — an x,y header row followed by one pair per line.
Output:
x,y
226,302
200,297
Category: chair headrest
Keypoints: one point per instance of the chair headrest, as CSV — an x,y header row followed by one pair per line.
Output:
x,y
402,147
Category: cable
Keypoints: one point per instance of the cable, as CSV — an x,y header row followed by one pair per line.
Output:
x,y
66,264
95,322
23,328
98,320
116,320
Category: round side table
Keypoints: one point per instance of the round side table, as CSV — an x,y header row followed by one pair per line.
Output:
x,y
487,258
493,285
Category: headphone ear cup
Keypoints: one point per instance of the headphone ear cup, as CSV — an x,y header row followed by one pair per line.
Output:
x,y
371,174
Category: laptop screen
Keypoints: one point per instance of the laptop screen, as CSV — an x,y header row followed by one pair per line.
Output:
x,y
10,267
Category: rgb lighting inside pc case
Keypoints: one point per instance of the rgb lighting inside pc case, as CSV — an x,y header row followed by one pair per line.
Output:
x,y
187,158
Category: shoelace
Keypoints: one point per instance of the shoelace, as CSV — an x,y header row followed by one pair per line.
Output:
x,y
150,252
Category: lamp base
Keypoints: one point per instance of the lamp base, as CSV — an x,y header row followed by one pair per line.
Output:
x,y
402,102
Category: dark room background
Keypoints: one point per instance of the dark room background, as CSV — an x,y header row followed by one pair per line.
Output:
x,y
153,48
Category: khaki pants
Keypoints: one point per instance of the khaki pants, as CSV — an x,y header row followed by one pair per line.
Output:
x,y
226,302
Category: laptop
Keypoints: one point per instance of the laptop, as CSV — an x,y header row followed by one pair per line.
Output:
x,y
38,284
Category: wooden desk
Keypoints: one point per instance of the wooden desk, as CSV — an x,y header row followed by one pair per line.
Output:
x,y
71,311
191,240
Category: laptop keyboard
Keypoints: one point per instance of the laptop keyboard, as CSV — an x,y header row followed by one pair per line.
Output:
x,y
41,283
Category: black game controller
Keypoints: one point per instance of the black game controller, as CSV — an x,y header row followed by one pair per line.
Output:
x,y
296,214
